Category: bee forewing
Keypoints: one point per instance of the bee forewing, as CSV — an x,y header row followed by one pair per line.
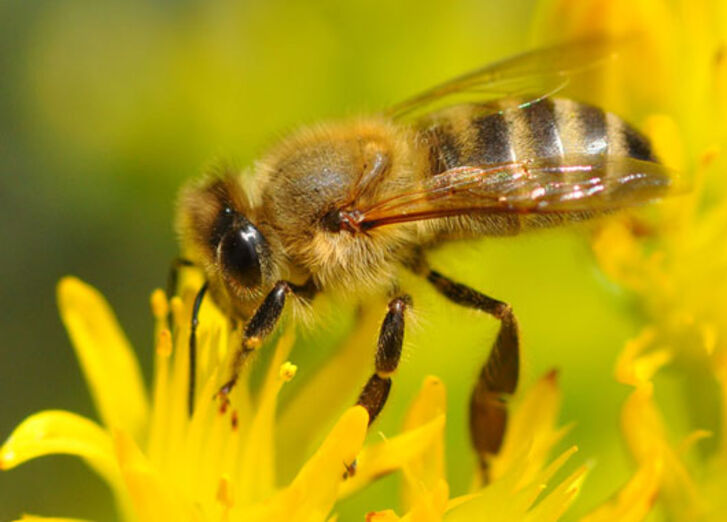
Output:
x,y
535,74
571,183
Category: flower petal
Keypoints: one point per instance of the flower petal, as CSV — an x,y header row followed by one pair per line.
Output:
x,y
532,429
425,471
645,435
392,454
298,423
61,432
313,492
552,507
105,355
256,472
635,499
151,497
430,505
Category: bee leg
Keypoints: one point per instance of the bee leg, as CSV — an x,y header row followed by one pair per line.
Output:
x,y
193,347
499,375
374,394
262,323
173,276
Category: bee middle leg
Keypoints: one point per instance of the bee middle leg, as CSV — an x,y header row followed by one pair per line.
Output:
x,y
499,375
388,352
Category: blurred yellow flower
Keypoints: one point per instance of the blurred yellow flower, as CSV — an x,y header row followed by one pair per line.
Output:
x,y
675,264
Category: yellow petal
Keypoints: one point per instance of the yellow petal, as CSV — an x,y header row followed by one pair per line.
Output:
x,y
552,507
646,438
427,469
61,432
430,505
392,454
635,499
635,368
298,423
106,358
152,498
313,492
531,429
256,476
506,499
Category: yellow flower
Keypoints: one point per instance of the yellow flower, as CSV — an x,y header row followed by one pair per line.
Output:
x,y
675,264
162,465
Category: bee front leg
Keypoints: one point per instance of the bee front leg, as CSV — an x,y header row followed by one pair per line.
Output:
x,y
499,375
262,323
375,392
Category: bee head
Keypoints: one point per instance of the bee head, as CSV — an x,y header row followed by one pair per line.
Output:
x,y
215,222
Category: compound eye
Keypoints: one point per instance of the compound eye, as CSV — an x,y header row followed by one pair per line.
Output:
x,y
239,254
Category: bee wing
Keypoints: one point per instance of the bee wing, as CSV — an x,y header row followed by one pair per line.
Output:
x,y
531,76
572,183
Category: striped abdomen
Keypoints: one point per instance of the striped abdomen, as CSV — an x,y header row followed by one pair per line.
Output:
x,y
467,135
549,128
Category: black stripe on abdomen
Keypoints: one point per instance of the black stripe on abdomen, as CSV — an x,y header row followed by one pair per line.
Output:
x,y
594,133
493,140
544,136
636,144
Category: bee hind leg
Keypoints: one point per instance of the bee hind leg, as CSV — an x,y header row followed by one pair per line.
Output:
x,y
499,375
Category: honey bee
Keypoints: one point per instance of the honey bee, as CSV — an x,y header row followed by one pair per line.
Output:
x,y
342,207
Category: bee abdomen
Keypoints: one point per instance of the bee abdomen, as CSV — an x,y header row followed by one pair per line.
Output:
x,y
474,135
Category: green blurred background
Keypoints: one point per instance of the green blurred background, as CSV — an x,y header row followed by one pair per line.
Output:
x,y
106,107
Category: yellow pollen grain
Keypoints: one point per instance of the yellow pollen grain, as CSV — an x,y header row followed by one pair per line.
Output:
x,y
164,343
253,343
288,371
159,304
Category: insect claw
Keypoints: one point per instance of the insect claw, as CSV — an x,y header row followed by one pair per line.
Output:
x,y
223,395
